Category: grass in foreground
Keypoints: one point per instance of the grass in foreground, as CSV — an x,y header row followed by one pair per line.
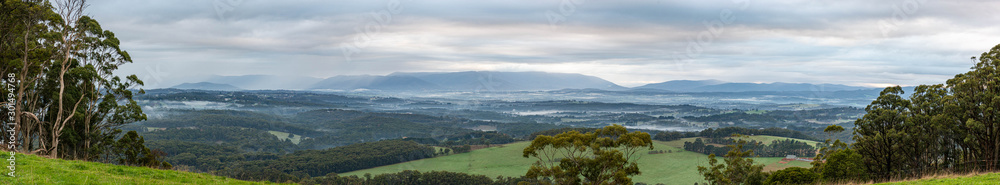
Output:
x,y
992,179
31,169
675,167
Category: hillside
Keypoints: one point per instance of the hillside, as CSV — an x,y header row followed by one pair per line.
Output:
x,y
32,169
992,178
675,167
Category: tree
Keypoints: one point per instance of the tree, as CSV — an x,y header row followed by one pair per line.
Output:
x,y
976,100
604,156
878,135
828,148
68,101
738,167
844,165
792,175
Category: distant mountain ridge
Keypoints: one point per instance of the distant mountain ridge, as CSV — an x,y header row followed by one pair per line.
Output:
x,y
489,81
207,86
468,81
719,86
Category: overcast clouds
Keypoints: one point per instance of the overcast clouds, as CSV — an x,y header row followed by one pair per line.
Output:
x,y
626,42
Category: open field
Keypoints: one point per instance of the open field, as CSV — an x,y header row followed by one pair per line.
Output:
x,y
675,167
31,169
284,135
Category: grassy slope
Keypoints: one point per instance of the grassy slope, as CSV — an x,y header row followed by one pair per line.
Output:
x,y
33,169
993,178
679,167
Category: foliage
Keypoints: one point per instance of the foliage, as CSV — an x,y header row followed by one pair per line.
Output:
x,y
777,148
311,163
792,175
411,177
131,151
939,128
844,165
68,101
738,167
605,155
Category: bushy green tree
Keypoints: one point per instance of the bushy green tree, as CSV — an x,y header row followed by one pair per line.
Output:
x,y
844,165
792,175
604,156
737,169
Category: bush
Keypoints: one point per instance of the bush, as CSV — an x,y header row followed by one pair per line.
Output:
x,y
842,165
793,175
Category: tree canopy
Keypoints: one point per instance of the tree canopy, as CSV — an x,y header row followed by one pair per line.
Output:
x,y
604,156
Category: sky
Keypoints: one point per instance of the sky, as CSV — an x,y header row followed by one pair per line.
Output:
x,y
853,42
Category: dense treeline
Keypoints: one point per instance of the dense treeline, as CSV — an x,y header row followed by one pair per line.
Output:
x,y
374,128
830,114
61,88
470,138
231,118
312,163
673,135
729,131
558,131
944,127
245,139
420,178
777,148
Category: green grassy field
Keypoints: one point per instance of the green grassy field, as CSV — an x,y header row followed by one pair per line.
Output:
x,y
992,179
31,169
284,135
677,167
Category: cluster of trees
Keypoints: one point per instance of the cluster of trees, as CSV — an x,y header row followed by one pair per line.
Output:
x,y
228,118
729,131
777,148
603,156
68,101
778,116
312,163
245,139
421,178
673,135
945,127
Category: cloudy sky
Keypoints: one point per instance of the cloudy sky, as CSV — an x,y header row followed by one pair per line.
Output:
x,y
853,42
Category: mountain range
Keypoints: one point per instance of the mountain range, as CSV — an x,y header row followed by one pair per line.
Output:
x,y
489,81
720,86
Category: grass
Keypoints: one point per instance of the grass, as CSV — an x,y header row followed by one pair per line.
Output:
x,y
32,169
767,139
677,167
284,135
992,179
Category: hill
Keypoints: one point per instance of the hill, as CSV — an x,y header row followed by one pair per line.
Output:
x,y
992,178
719,86
468,81
32,169
207,86
260,82
674,167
